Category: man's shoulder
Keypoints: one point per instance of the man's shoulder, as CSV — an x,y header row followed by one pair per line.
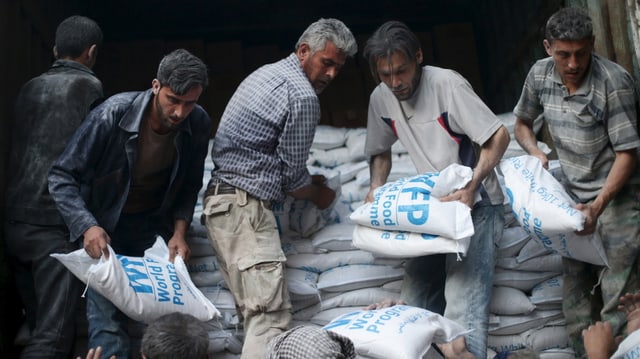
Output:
x,y
611,72
286,74
122,98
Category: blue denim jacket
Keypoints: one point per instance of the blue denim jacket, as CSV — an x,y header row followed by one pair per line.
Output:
x,y
90,181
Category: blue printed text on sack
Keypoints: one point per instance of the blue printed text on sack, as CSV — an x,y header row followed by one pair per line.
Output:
x,y
408,197
370,321
152,278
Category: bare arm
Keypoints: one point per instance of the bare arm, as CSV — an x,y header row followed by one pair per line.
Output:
x,y
490,153
623,167
526,138
379,169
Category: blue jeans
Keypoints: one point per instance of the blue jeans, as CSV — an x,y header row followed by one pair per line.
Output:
x,y
461,290
108,326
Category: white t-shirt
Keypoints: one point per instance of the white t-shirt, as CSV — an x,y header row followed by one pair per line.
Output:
x,y
440,124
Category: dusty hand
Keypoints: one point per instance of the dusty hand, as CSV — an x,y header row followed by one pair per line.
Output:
x,y
178,247
95,242
95,354
591,218
463,195
318,180
599,342
324,196
544,161
385,303
630,305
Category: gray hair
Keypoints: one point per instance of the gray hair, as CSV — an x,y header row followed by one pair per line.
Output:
x,y
181,71
175,335
390,37
569,24
323,30
75,34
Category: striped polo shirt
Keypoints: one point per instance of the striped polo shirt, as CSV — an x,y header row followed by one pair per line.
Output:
x,y
588,126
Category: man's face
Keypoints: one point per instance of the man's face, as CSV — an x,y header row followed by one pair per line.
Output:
x,y
322,66
172,109
572,59
400,74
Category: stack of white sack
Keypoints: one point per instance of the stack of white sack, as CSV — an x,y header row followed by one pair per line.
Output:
x,y
341,150
526,306
328,275
527,300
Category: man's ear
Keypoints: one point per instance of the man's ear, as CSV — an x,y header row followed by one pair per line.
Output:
x,y
547,46
55,52
93,52
419,57
155,86
303,51
92,55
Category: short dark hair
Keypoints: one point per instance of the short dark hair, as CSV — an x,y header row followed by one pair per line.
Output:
x,y
569,24
75,34
175,335
390,37
181,71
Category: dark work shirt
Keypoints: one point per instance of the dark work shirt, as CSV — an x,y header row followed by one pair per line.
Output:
x,y
49,108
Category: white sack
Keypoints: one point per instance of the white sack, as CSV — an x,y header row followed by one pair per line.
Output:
x,y
546,211
548,292
513,239
517,324
397,244
411,204
629,347
550,262
335,237
320,262
203,264
399,332
357,276
144,288
505,343
523,280
562,353
510,301
547,337
328,137
301,283
203,279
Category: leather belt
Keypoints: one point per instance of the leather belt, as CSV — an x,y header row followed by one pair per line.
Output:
x,y
220,188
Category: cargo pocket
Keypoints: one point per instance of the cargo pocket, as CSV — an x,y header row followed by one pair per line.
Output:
x,y
263,282
216,207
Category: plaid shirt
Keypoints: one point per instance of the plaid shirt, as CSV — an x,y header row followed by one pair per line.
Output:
x,y
310,342
263,140
587,127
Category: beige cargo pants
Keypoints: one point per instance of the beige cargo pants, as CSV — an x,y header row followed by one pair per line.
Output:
x,y
244,234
